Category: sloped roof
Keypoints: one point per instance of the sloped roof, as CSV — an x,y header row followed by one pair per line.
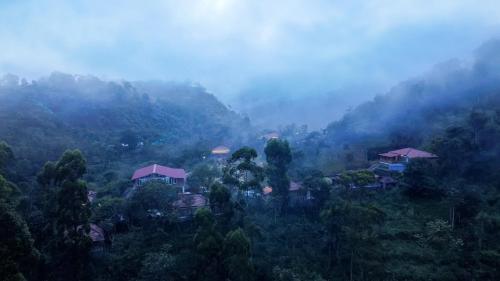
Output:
x,y
91,195
410,153
159,170
96,233
266,190
190,201
294,186
221,150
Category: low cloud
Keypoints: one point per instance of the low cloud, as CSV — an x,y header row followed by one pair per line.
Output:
x,y
227,45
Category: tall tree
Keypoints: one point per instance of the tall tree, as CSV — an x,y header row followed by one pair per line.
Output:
x,y
279,157
152,198
158,266
420,179
243,172
202,176
455,149
129,140
477,121
6,155
353,229
208,247
69,218
16,245
221,204
236,255
17,251
318,186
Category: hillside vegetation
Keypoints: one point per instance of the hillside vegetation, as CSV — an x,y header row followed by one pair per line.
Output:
x,y
302,206
415,112
107,119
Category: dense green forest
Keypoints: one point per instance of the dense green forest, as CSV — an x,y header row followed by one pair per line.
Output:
x,y
68,135
132,121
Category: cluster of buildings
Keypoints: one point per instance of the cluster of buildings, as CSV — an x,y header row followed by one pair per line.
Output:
x,y
390,163
185,205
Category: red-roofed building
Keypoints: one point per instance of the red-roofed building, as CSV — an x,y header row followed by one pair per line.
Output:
x,y
405,154
157,172
267,190
396,160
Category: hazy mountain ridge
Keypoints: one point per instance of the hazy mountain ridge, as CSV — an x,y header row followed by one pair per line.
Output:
x,y
65,111
271,106
422,106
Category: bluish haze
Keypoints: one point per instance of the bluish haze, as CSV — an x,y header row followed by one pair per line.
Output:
x,y
242,51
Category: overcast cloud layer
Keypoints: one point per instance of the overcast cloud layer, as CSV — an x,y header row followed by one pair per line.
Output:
x,y
287,47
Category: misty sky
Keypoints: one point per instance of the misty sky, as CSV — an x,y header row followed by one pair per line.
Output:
x,y
291,47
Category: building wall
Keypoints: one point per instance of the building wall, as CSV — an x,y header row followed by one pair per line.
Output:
x,y
178,182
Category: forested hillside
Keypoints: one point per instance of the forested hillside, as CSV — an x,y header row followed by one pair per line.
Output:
x,y
107,119
423,105
293,206
414,112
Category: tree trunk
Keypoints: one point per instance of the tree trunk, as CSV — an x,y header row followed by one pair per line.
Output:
x,y
452,217
350,267
330,253
337,248
480,238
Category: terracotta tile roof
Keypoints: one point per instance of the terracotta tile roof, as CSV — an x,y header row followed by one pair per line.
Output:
x,y
159,170
266,190
409,152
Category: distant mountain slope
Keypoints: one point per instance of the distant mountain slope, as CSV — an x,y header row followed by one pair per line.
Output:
x,y
420,107
42,118
413,114
314,110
